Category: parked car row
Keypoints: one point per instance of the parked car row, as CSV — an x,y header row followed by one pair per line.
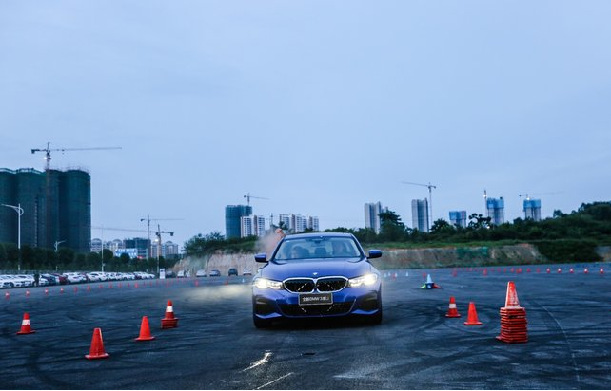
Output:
x,y
217,273
45,279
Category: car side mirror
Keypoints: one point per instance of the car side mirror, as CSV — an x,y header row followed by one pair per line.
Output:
x,y
261,257
374,254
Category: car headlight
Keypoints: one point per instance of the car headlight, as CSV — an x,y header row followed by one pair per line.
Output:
x,y
366,280
264,283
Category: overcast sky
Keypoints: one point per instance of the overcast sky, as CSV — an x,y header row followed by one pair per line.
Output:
x,y
318,106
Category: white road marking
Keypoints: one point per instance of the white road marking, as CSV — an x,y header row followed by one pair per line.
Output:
x,y
273,381
264,360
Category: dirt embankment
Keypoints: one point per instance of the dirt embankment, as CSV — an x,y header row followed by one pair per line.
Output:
x,y
458,257
392,259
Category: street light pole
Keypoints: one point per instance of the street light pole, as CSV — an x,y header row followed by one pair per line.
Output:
x,y
57,243
148,247
158,246
19,211
159,232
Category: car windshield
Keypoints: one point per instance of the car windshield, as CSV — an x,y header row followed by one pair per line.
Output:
x,y
317,247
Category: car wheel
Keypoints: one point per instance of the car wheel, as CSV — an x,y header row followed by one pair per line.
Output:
x,y
260,323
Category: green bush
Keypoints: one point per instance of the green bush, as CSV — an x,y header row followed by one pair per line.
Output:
x,y
568,250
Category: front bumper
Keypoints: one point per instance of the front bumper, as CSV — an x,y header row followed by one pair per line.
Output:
x,y
272,304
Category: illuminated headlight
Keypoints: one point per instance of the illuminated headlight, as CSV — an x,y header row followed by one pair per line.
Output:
x,y
263,283
366,280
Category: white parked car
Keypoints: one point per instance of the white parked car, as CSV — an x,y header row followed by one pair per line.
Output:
x,y
97,276
6,281
201,273
27,279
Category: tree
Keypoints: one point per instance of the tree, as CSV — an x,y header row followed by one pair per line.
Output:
x,y
440,225
392,228
479,222
3,258
200,245
65,257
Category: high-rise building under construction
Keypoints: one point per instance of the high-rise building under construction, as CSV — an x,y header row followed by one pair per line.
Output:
x,y
56,208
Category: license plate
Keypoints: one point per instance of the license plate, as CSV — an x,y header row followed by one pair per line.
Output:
x,y
316,299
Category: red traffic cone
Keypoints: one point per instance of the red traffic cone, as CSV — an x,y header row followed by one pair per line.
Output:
x,y
7,295
169,321
25,325
96,350
452,310
472,319
145,332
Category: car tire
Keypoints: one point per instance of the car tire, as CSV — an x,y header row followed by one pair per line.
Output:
x,y
260,323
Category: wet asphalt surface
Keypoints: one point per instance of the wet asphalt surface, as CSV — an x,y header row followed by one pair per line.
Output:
x,y
215,345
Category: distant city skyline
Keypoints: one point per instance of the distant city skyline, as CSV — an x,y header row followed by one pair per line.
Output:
x,y
317,107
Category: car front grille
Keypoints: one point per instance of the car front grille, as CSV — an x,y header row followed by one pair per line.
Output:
x,y
323,284
316,310
330,284
299,285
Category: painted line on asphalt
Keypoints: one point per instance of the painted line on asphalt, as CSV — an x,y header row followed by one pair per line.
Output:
x,y
255,364
273,381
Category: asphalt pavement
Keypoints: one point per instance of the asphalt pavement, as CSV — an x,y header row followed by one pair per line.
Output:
x,y
216,346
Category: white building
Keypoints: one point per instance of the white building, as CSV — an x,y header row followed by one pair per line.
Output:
x,y
252,225
299,223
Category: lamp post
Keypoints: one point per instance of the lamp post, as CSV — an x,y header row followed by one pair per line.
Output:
x,y
148,247
57,243
19,211
158,233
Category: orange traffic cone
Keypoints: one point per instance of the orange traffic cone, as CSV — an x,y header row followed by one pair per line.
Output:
x,y
145,332
511,297
25,325
513,318
472,319
452,310
169,321
7,295
96,350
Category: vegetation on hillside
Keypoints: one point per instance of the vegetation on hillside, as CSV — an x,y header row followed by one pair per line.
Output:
x,y
562,237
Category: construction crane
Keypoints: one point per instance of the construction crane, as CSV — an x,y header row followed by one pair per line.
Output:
x,y
430,187
148,224
248,197
537,194
48,151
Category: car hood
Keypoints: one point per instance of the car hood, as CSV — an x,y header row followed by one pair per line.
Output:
x,y
349,268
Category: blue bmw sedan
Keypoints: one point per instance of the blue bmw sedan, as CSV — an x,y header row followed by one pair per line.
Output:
x,y
314,275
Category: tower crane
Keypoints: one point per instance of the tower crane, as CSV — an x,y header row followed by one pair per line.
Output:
x,y
48,151
148,224
248,197
430,187
537,194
